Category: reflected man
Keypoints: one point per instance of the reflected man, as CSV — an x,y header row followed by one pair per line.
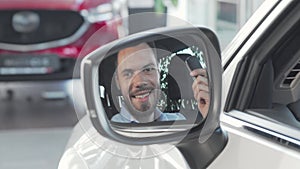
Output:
x,y
138,79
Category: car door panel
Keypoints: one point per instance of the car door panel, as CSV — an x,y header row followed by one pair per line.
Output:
x,y
247,149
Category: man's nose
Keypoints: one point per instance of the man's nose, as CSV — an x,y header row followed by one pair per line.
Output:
x,y
139,80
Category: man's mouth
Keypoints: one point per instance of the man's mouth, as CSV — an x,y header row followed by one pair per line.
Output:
x,y
142,95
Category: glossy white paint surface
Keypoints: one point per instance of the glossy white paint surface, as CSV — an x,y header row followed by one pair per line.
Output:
x,y
87,149
246,150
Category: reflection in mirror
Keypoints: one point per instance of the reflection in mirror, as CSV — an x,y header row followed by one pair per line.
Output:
x,y
151,83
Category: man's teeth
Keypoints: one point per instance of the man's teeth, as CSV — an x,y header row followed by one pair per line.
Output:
x,y
142,96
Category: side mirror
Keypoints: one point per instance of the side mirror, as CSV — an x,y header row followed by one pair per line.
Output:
x,y
155,87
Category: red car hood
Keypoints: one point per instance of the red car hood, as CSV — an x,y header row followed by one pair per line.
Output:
x,y
50,4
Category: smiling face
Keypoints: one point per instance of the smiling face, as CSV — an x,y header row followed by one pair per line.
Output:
x,y
138,79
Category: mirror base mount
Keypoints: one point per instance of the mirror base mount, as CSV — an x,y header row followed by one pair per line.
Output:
x,y
206,151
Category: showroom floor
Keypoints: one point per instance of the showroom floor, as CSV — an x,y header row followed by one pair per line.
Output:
x,y
34,131
32,148
24,114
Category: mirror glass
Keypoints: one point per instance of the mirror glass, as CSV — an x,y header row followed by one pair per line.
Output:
x,y
158,81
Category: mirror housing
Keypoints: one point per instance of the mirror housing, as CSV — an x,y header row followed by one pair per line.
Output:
x,y
171,40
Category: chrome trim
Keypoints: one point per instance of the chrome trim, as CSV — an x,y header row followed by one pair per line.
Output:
x,y
144,134
152,131
155,129
50,44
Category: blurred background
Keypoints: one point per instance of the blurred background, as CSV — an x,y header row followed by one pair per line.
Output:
x,y
41,45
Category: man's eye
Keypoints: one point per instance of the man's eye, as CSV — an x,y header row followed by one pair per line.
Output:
x,y
149,70
127,74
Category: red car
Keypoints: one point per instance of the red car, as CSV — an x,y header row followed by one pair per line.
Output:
x,y
41,39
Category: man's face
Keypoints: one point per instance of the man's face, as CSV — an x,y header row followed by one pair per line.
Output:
x,y
138,78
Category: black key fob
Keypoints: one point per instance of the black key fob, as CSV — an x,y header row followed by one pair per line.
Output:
x,y
192,63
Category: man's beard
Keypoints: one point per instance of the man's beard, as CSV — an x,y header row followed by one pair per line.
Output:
x,y
136,97
144,109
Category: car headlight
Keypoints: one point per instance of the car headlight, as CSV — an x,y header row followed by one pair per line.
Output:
x,y
100,13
